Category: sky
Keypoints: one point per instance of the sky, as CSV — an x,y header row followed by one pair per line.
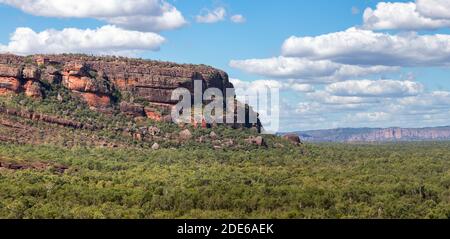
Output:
x,y
347,63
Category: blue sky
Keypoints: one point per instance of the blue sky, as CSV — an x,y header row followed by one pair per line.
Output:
x,y
403,78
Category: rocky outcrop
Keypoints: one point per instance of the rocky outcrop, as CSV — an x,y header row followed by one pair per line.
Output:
x,y
93,86
15,79
138,87
134,110
9,79
47,119
258,141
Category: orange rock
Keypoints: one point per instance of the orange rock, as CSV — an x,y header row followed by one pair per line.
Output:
x,y
121,84
9,85
33,89
76,83
95,100
154,116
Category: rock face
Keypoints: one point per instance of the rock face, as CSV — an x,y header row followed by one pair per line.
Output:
x,y
9,79
93,87
16,78
139,88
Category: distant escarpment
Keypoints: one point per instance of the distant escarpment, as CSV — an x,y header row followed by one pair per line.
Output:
x,y
377,134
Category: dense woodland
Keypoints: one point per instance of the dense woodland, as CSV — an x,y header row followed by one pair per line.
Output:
x,y
410,180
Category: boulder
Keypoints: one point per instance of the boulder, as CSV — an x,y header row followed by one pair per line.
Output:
x,y
258,141
293,138
185,135
213,135
31,73
33,89
154,131
9,85
155,146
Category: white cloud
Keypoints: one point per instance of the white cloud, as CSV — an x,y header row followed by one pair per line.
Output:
x,y
325,97
301,87
238,18
104,40
369,116
429,100
249,86
357,46
388,16
213,16
319,71
148,15
378,88
434,8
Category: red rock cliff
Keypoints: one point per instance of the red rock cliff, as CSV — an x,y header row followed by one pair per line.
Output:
x,y
99,80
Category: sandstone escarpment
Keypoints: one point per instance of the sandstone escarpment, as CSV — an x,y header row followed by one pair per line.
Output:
x,y
9,79
139,88
17,78
377,134
402,134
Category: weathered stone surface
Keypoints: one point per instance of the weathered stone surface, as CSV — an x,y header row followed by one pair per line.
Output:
x,y
153,114
102,81
31,73
9,85
94,88
154,131
185,135
10,71
96,100
155,146
33,89
134,110
47,119
213,135
259,141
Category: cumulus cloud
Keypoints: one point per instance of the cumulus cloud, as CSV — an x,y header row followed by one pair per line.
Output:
x,y
377,88
247,86
213,16
104,40
148,15
325,97
238,18
369,116
391,16
439,99
318,71
434,8
358,46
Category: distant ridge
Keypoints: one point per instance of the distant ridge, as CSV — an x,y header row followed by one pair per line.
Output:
x,y
377,134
